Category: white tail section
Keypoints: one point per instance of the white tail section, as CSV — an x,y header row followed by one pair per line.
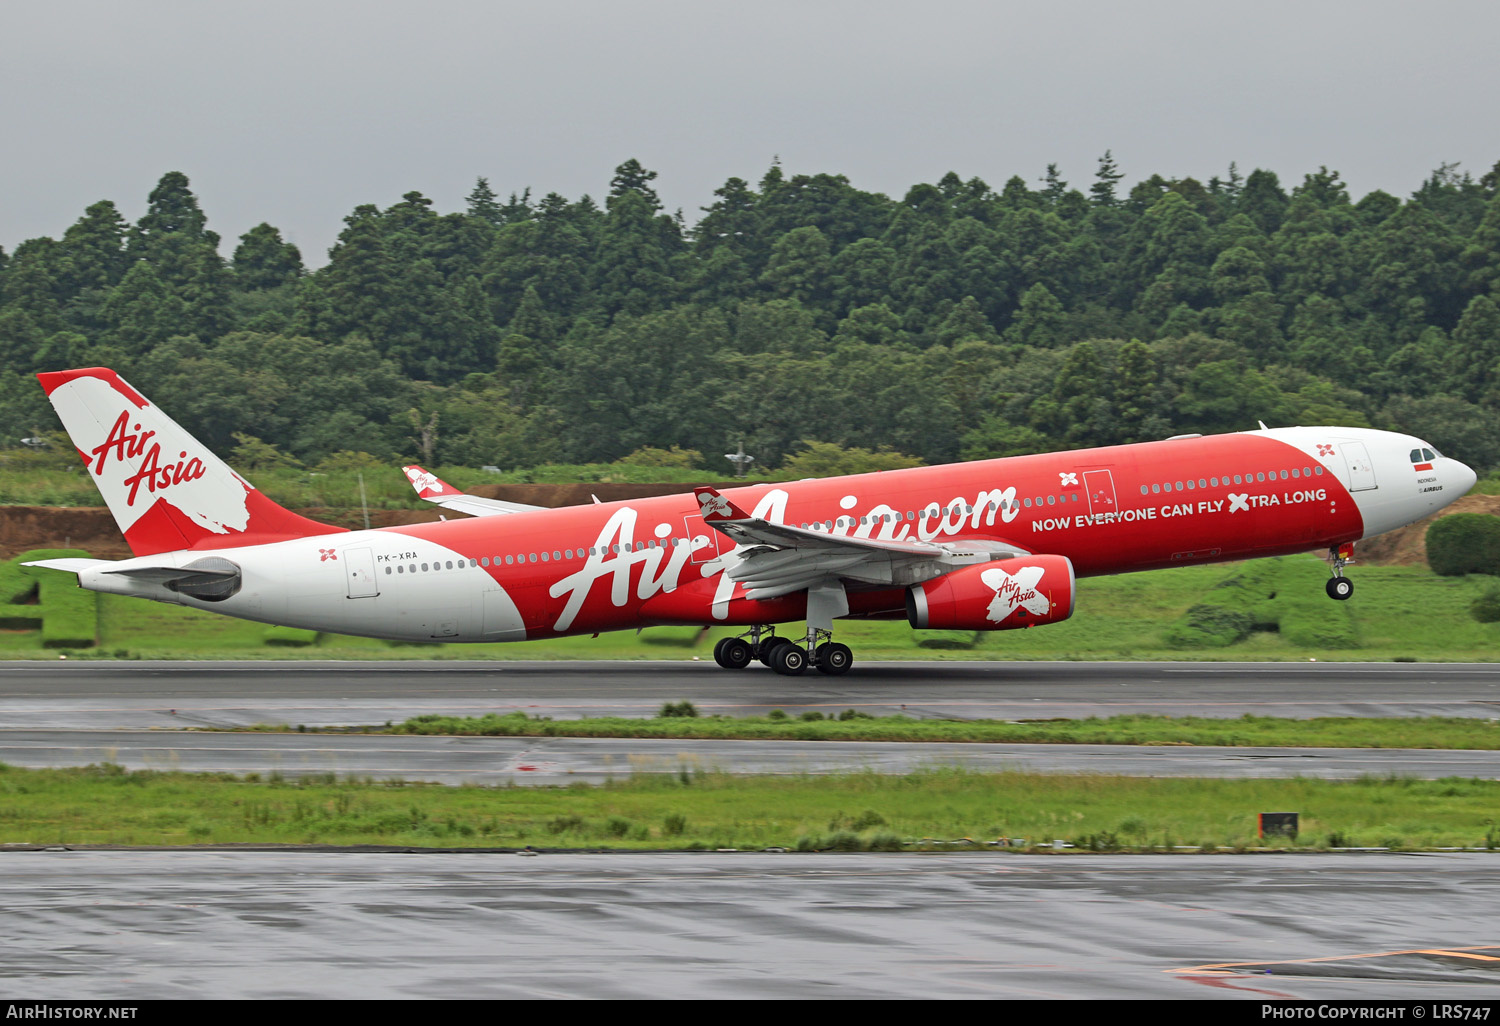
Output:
x,y
164,488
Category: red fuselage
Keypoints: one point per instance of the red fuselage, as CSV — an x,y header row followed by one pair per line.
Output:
x,y
1135,507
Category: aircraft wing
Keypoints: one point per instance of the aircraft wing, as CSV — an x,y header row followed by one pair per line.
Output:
x,y
435,490
778,559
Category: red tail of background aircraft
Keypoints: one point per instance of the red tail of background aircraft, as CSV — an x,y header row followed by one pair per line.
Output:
x,y
989,545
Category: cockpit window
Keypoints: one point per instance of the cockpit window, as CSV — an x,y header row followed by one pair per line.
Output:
x,y
1416,455
1429,455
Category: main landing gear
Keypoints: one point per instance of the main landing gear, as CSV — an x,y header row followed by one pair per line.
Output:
x,y
1338,586
784,655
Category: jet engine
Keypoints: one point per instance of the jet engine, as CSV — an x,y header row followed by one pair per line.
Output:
x,y
1003,595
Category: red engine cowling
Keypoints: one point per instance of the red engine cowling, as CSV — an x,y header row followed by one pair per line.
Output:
x,y
1009,593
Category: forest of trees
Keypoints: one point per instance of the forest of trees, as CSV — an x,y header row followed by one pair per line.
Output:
x,y
959,321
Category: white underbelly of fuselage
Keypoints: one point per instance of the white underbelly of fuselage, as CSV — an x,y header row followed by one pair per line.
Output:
x,y
370,583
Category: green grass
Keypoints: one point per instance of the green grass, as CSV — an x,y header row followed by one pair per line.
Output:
x,y
45,607
1457,733
697,809
1397,613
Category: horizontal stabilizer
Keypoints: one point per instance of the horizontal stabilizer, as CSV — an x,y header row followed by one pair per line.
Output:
x,y
215,570
210,578
71,564
163,574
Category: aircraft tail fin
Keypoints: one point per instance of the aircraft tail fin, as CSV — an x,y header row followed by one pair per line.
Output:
x,y
165,489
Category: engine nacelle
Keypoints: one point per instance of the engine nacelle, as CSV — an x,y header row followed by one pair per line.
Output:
x,y
1009,593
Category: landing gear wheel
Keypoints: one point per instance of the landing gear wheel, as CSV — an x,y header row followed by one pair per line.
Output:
x,y
1339,588
732,653
834,659
767,653
788,659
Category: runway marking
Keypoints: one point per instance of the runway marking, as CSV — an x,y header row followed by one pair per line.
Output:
x,y
1211,980
1230,968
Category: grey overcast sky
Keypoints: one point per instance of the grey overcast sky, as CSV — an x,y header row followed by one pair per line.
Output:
x,y
295,111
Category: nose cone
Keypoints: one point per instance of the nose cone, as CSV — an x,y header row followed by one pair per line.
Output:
x,y
1464,477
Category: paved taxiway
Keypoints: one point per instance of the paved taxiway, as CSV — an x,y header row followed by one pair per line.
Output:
x,y
125,925
156,694
559,760
78,713
55,714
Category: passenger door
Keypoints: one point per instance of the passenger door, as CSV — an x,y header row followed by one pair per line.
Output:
x,y
1361,469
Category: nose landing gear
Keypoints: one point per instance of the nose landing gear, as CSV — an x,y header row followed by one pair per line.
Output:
x,y
1338,586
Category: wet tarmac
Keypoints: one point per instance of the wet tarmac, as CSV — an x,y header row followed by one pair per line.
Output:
x,y
144,925
565,760
304,924
106,693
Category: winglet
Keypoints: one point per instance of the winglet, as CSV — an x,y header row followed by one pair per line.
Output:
x,y
439,492
716,507
428,485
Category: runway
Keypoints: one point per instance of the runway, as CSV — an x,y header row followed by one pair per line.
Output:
x,y
81,713
141,925
500,761
175,694
301,924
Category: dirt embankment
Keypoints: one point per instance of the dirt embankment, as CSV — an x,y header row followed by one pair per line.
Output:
x,y
92,528
1407,546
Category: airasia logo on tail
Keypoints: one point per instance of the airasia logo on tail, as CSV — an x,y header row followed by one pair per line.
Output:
x,y
138,457
128,444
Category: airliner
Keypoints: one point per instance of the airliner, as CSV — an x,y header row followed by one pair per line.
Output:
x,y
988,545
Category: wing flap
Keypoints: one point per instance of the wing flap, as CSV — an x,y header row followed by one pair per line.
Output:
x,y
779,559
